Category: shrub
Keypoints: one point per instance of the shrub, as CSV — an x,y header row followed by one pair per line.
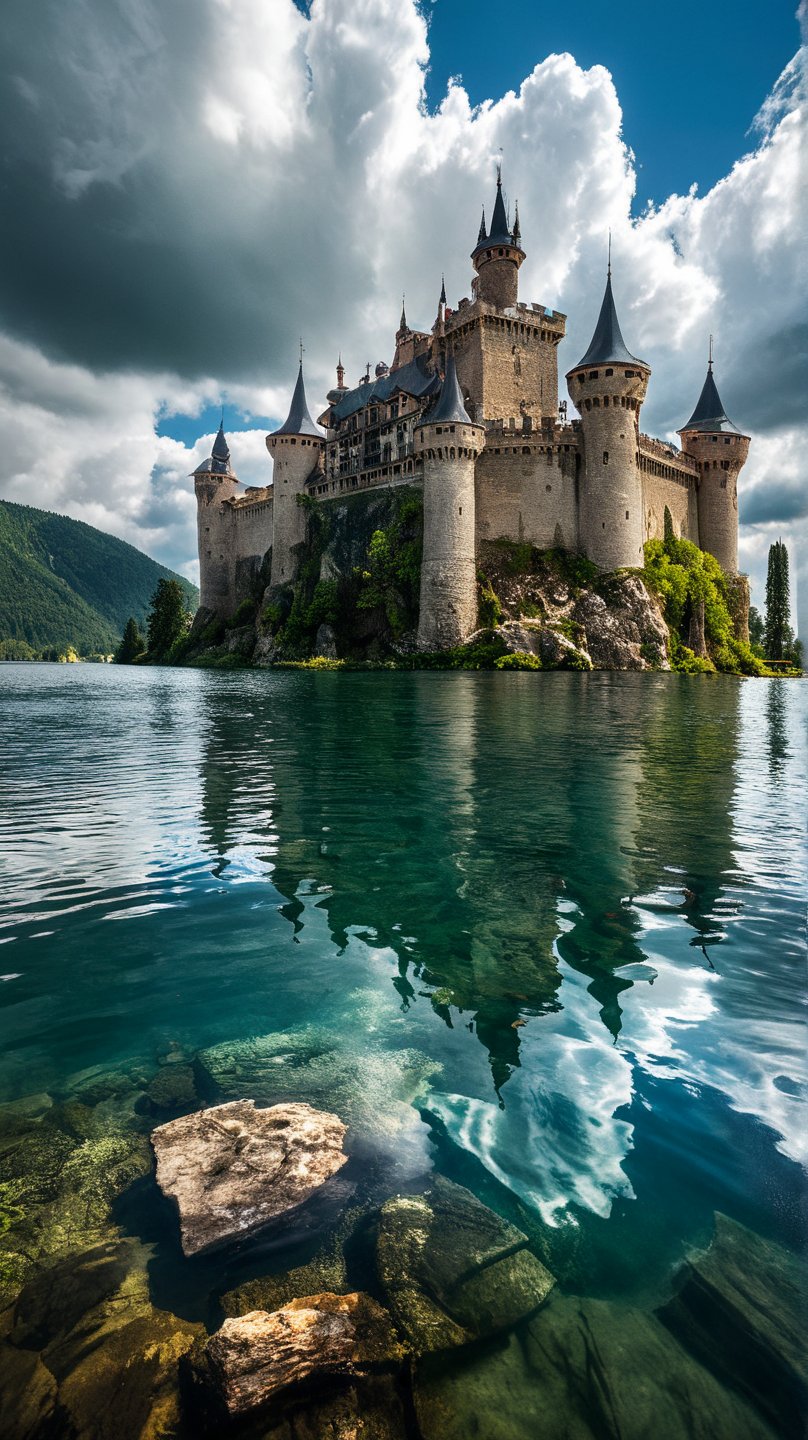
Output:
x,y
489,606
518,660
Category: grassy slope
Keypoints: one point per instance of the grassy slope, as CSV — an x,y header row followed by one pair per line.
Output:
x,y
64,583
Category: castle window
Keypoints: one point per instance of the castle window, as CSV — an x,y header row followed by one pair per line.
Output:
x,y
608,372
460,509
627,514
629,374
714,439
726,439
548,488
502,252
593,374
605,457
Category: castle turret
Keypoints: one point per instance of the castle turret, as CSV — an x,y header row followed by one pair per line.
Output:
x,y
720,450
608,387
296,449
215,482
448,444
497,256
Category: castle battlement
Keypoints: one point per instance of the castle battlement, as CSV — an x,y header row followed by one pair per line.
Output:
x,y
469,412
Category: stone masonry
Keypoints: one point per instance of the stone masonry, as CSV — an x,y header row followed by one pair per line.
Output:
x,y
469,410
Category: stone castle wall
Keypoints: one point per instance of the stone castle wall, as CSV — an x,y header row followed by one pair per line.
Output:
x,y
668,479
527,488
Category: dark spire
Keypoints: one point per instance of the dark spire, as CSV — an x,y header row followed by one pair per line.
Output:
x,y
299,421
449,408
220,449
481,238
709,414
442,300
403,321
499,233
517,234
218,462
607,345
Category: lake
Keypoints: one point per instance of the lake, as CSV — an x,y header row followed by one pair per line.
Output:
x,y
541,935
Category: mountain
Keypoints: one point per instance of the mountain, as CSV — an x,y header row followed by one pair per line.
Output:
x,y
64,583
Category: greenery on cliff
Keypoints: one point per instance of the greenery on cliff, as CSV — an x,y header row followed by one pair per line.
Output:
x,y
65,585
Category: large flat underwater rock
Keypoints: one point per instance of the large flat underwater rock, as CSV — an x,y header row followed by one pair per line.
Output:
x,y
233,1168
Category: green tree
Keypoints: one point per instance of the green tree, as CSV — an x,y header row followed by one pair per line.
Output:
x,y
168,618
757,629
132,644
779,637
669,533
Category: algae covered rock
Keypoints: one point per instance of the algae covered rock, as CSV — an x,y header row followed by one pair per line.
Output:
x,y
453,1270
741,1307
580,1370
233,1168
172,1088
325,1270
254,1357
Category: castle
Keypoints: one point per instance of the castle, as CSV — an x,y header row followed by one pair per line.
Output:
x,y
469,411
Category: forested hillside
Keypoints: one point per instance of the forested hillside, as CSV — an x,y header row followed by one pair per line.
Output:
x,y
64,583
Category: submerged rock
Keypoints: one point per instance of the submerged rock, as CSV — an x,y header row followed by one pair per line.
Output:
x,y
452,1270
233,1168
581,1370
172,1088
741,1307
254,1357
325,1270
372,1089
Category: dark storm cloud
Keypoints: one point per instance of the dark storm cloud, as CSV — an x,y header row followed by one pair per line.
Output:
x,y
137,237
775,503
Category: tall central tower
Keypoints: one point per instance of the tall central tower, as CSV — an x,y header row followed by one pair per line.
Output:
x,y
497,256
608,387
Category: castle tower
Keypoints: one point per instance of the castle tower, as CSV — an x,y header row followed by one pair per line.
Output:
x,y
296,448
214,482
497,256
608,387
720,451
448,444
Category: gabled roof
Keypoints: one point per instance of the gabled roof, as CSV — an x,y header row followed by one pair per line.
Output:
x,y
415,378
449,408
299,421
607,345
709,413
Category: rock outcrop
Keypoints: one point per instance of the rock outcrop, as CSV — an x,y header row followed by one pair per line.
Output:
x,y
624,629
255,1357
233,1168
452,1270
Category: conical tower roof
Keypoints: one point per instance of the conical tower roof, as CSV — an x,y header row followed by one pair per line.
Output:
x,y
607,345
709,413
449,408
500,232
299,421
218,462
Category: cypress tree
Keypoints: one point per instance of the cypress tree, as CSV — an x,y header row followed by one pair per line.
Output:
x,y
168,618
668,524
132,644
778,637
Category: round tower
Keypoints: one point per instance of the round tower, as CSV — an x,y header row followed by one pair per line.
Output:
x,y
296,449
497,256
608,387
720,450
448,445
214,482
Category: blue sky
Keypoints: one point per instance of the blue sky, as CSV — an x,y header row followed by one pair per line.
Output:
x,y
691,76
